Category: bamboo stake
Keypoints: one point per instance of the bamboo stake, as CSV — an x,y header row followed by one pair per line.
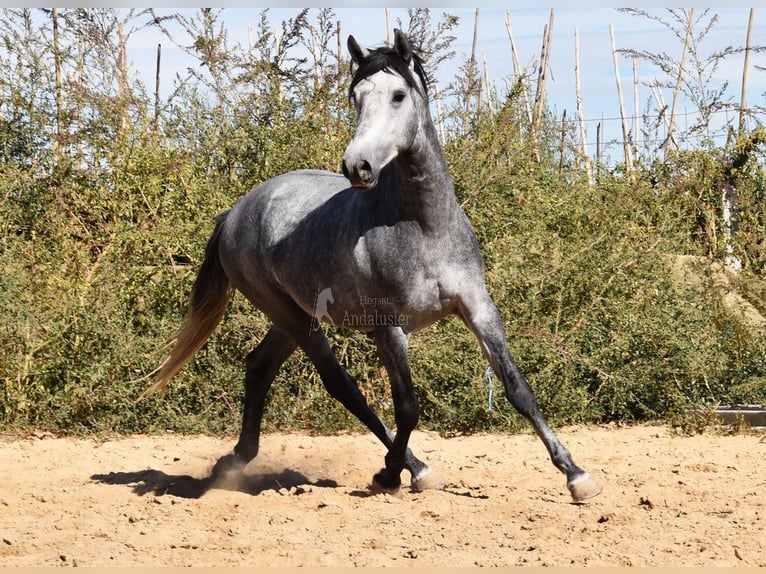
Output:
x,y
598,147
317,57
157,87
663,107
563,141
517,67
59,97
340,55
635,106
78,100
625,131
339,77
340,44
581,148
122,77
487,88
472,64
542,77
439,111
744,71
672,125
278,57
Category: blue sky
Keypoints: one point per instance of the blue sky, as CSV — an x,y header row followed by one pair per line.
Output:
x,y
600,99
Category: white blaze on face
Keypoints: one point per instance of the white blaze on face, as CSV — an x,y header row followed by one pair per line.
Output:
x,y
386,122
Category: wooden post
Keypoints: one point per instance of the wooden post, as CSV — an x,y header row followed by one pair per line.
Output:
x,y
517,71
157,87
663,107
388,27
487,87
122,77
598,147
278,57
542,76
744,72
635,106
625,130
340,56
59,97
563,141
317,58
472,66
339,79
672,124
581,148
439,112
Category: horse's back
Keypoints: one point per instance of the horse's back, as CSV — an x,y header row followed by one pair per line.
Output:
x,y
265,231
275,207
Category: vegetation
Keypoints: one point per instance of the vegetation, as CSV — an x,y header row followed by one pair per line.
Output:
x,y
108,195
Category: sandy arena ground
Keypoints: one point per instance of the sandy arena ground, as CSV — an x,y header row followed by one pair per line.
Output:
x,y
149,500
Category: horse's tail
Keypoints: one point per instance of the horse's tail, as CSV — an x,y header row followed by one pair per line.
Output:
x,y
209,297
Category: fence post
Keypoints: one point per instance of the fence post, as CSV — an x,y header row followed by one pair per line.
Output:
x,y
681,64
625,131
517,66
563,141
744,71
157,87
542,77
59,98
581,148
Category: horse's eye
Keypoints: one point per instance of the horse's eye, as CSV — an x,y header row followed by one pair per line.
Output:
x,y
398,97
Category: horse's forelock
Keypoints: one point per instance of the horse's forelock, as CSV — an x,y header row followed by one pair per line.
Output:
x,y
387,59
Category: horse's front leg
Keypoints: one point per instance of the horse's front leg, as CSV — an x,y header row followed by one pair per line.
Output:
x,y
483,318
392,347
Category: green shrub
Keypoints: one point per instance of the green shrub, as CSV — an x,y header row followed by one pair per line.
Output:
x,y
101,243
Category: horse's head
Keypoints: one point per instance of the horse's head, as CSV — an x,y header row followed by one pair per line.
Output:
x,y
389,93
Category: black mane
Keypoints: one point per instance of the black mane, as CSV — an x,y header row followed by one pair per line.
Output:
x,y
388,59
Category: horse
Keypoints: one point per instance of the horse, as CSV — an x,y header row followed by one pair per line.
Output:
x,y
388,249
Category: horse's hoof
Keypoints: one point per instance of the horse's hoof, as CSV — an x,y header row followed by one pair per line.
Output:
x,y
227,464
583,486
427,480
376,489
382,483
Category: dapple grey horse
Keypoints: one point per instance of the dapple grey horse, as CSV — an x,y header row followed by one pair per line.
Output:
x,y
391,253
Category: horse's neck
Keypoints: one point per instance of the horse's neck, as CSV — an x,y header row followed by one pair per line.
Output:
x,y
425,189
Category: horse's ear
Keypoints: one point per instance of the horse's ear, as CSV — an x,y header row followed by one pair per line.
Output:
x,y
402,46
358,54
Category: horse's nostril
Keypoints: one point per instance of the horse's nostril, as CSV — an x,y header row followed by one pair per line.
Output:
x,y
365,170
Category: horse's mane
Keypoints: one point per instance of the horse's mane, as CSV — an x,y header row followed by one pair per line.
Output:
x,y
389,60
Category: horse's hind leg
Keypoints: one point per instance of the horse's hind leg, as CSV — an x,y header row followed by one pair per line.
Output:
x,y
263,363
343,388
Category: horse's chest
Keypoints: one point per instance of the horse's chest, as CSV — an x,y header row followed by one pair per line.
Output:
x,y
405,276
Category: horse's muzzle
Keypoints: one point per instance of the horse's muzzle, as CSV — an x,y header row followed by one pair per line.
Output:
x,y
359,174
